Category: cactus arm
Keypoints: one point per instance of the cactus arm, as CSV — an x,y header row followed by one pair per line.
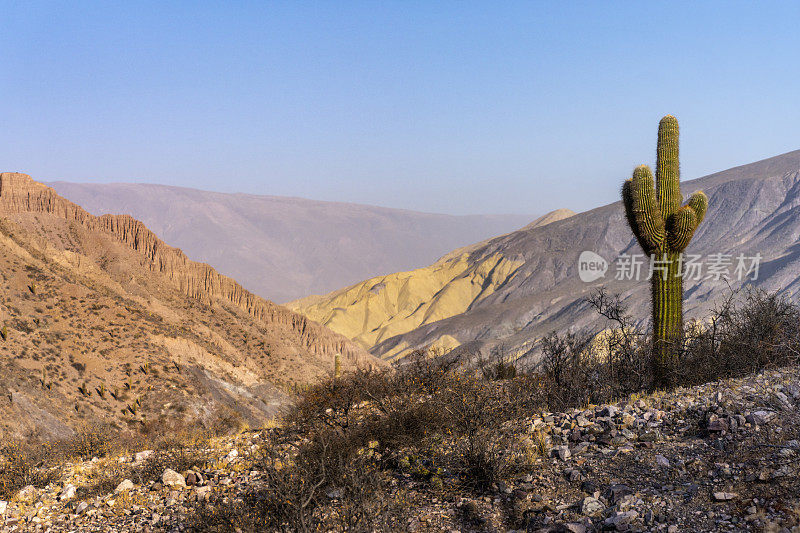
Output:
x,y
641,208
668,167
698,202
630,214
681,228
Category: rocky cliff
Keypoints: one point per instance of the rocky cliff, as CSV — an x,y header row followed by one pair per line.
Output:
x,y
19,193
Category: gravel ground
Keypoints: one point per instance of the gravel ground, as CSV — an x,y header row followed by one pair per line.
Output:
x,y
717,457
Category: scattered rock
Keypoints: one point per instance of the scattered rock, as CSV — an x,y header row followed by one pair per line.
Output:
x,y
67,493
620,520
562,452
591,506
171,478
142,456
27,494
126,484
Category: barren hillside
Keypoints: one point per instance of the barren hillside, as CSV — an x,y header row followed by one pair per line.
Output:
x,y
102,321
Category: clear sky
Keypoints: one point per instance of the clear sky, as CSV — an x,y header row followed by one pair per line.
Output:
x,y
458,107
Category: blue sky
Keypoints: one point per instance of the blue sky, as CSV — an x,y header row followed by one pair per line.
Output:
x,y
457,107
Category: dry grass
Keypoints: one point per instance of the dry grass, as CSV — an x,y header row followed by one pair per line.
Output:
x,y
38,463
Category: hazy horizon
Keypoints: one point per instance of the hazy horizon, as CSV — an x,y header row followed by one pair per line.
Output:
x,y
458,108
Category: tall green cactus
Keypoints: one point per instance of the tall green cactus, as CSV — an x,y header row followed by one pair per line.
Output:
x,y
664,228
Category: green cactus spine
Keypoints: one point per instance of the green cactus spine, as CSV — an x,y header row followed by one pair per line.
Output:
x,y
663,227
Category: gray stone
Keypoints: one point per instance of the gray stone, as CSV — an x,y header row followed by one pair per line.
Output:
x,y
562,452
171,478
592,506
724,496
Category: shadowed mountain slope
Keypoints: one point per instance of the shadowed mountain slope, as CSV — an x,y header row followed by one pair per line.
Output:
x,y
103,322
387,306
286,248
754,209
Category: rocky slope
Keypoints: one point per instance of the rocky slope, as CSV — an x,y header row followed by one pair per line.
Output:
x,y
103,322
754,209
286,248
717,457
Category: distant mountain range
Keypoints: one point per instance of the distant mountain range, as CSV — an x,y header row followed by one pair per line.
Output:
x,y
507,292
287,248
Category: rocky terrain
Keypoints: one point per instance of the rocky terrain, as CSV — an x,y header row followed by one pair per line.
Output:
x,y
509,291
286,248
716,457
103,323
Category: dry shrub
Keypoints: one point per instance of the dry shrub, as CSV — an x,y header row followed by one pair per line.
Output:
x,y
22,465
445,421
750,331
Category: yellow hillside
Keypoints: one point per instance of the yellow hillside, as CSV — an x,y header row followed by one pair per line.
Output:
x,y
382,307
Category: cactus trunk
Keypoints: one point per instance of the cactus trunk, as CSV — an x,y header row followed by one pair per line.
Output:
x,y
667,287
663,229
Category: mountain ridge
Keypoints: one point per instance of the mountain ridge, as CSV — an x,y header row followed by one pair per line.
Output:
x,y
287,248
545,293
